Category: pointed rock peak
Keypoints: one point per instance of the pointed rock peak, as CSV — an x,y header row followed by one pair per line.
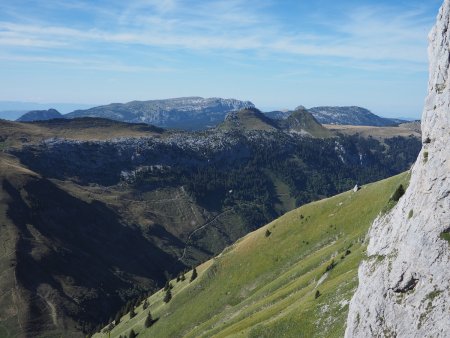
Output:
x,y
302,121
404,282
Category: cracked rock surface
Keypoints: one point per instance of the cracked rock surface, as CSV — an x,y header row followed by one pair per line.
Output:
x,y
404,284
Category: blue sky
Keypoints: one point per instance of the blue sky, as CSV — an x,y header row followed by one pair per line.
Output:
x,y
277,53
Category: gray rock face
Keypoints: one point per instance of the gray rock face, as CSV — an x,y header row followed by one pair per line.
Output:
x,y
190,113
404,284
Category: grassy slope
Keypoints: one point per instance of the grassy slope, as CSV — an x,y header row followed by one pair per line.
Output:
x,y
249,120
265,286
18,133
379,133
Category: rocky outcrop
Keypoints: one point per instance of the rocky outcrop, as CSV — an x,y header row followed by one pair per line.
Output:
x,y
404,284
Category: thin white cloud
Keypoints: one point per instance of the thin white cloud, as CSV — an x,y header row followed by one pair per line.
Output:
x,y
104,65
366,33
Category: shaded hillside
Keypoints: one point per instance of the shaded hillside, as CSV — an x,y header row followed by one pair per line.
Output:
x,y
303,122
247,120
59,245
293,278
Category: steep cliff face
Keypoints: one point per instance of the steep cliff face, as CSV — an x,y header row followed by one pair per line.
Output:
x,y
404,285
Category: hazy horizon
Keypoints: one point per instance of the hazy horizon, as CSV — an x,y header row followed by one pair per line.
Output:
x,y
314,53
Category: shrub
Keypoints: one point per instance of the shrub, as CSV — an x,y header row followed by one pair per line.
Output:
x,y
330,266
425,157
268,233
317,295
132,312
411,213
398,193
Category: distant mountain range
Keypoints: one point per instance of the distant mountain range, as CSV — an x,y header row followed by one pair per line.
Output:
x,y
356,116
352,115
197,113
39,115
189,113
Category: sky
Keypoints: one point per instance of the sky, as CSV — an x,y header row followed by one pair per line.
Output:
x,y
279,54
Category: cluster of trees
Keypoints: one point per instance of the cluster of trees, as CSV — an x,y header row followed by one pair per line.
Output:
x,y
130,306
311,168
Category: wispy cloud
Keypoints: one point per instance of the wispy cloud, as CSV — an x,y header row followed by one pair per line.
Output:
x,y
367,33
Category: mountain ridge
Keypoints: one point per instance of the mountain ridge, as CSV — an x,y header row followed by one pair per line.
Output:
x,y
189,113
39,115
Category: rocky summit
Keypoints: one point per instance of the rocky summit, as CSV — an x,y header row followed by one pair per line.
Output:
x,y
403,284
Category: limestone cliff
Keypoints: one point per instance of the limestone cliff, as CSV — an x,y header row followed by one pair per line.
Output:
x,y
404,284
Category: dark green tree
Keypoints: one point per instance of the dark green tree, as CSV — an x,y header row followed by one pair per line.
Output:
x,y
168,296
398,193
317,295
194,274
268,233
118,317
132,312
145,304
132,334
149,320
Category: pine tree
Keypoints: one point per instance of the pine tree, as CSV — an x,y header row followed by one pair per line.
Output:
x,y
149,320
118,317
168,286
168,296
183,277
145,305
132,334
132,312
194,274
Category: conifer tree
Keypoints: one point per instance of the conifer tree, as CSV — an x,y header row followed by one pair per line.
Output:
x,y
149,320
168,296
118,317
132,334
132,312
194,274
